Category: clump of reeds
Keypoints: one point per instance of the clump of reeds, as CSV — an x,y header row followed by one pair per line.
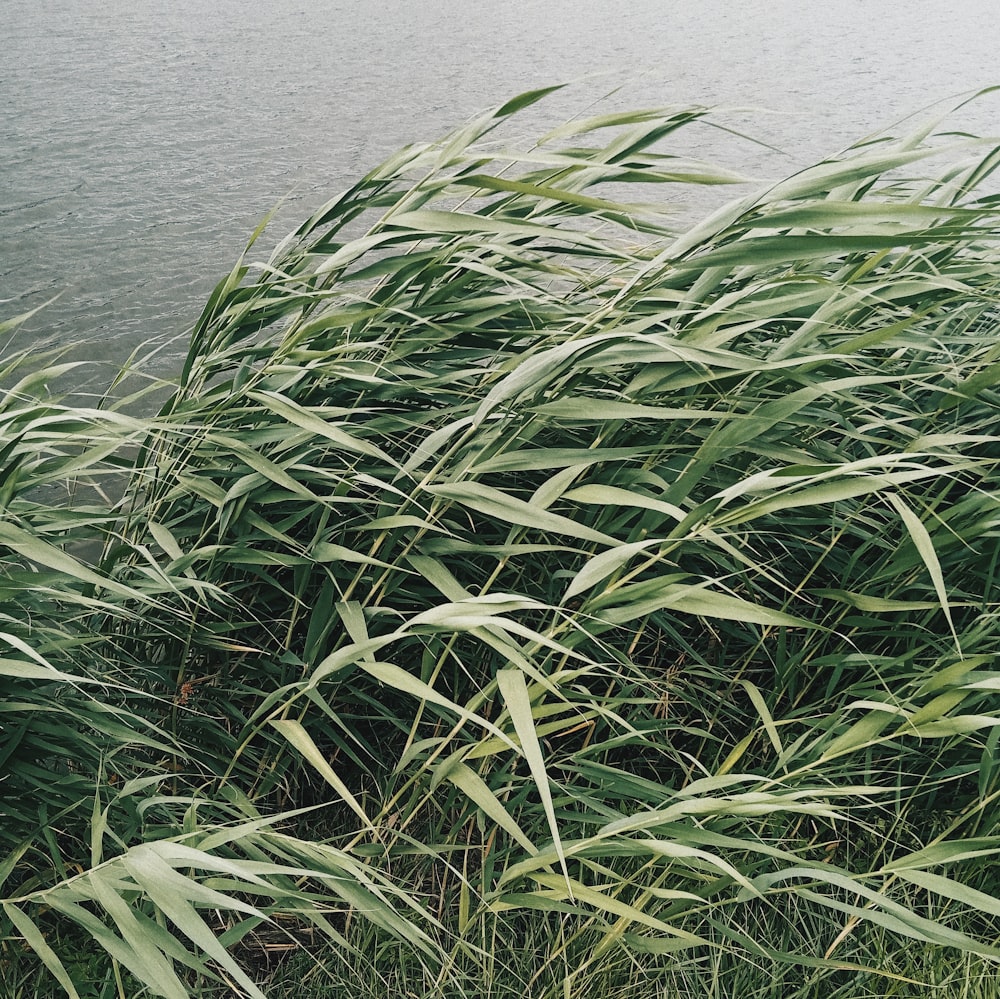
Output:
x,y
507,566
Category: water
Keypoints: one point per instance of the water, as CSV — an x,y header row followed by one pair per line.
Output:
x,y
141,141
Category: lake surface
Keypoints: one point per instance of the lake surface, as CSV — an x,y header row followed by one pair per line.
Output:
x,y
141,142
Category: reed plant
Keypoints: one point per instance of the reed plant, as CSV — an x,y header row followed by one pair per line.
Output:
x,y
519,596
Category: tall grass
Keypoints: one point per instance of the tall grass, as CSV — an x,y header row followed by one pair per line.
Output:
x,y
516,596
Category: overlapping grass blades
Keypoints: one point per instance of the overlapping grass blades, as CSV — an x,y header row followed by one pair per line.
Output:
x,y
623,592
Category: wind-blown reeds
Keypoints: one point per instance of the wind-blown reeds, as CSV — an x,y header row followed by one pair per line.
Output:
x,y
508,566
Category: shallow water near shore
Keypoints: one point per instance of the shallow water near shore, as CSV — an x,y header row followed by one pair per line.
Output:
x,y
141,143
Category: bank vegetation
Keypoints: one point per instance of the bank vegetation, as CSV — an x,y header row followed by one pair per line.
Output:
x,y
519,596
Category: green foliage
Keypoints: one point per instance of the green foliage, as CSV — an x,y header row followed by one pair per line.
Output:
x,y
507,568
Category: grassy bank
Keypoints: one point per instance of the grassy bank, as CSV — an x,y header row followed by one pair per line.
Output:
x,y
519,597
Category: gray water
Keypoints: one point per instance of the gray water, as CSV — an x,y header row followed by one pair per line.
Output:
x,y
142,141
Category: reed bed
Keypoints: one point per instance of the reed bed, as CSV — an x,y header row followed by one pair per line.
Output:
x,y
517,596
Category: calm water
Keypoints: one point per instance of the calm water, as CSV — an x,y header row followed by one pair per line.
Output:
x,y
141,141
